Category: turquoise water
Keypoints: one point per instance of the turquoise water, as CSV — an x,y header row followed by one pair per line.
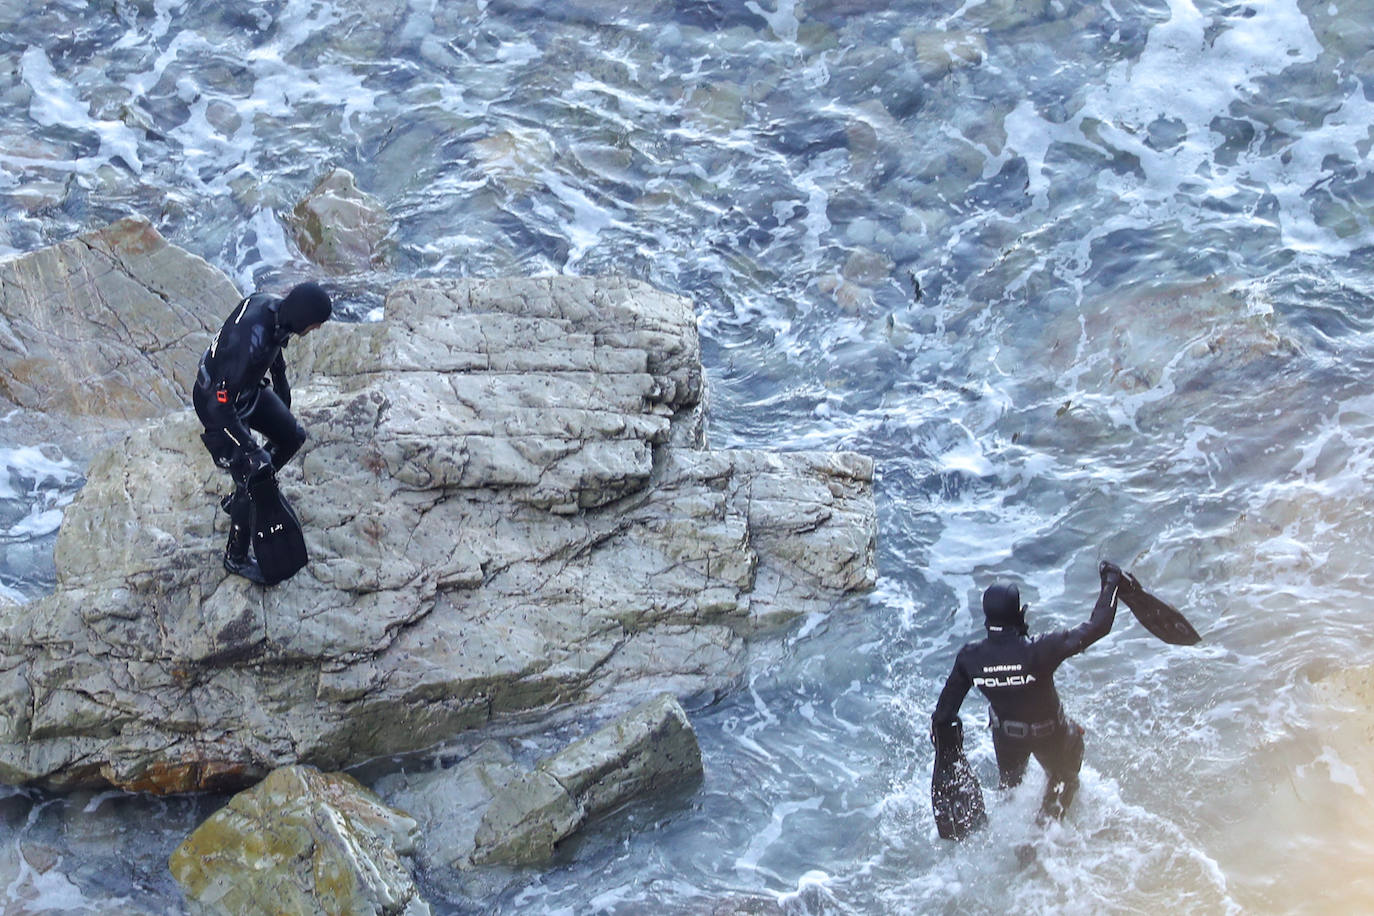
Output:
x,y
1085,280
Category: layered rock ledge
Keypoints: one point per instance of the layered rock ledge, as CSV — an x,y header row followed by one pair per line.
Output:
x,y
511,512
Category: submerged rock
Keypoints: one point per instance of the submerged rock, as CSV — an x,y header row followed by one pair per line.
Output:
x,y
510,513
1171,338
340,227
449,802
301,842
515,159
939,53
1002,15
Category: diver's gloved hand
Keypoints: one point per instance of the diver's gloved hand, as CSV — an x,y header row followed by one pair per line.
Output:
x,y
1110,574
954,725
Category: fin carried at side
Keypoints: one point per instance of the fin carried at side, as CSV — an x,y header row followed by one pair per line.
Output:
x,y
278,543
955,795
1159,617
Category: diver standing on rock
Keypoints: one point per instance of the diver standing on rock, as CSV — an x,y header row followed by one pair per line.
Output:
x,y
231,396
1016,674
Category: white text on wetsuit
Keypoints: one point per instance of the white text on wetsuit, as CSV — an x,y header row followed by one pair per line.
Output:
x,y
1009,680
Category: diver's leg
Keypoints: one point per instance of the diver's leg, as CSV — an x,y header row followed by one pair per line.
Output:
x,y
273,419
1062,759
240,513
1012,757
236,558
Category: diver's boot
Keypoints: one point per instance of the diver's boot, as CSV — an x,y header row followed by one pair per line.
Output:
x,y
236,502
244,566
236,558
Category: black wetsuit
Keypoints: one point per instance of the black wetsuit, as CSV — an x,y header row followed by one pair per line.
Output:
x,y
230,398
1016,674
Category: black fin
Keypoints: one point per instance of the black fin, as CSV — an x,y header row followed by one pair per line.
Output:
x,y
278,543
1159,617
955,795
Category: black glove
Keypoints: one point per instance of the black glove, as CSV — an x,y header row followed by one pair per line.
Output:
x,y
1110,574
954,724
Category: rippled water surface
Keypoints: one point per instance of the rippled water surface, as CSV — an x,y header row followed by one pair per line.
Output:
x,y
1085,279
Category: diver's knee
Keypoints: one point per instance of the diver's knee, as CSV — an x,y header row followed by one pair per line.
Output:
x,y
284,451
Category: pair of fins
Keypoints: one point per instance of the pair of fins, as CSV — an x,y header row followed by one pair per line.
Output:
x,y
956,798
278,541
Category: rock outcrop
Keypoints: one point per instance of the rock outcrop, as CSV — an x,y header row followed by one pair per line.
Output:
x,y
651,748
510,513
108,325
301,842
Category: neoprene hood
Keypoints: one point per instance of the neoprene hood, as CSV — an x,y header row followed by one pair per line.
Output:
x,y
305,305
1002,608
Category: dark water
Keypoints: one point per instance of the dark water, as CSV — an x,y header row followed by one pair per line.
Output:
x,y
1086,280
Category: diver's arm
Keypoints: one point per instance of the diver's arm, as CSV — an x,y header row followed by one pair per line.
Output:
x,y
227,370
952,696
1070,642
228,365
1104,611
279,382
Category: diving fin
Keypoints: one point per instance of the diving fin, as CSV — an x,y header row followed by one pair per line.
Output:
x,y
1159,617
278,542
955,795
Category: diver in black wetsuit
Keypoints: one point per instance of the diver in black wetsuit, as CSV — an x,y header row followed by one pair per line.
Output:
x,y
231,397
1016,674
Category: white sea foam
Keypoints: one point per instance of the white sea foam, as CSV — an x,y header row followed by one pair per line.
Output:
x,y
782,19
1342,773
52,892
36,469
56,102
1136,93
751,859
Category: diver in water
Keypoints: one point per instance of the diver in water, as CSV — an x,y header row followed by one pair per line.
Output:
x,y
231,396
1016,674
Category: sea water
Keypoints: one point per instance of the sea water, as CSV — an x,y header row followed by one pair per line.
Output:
x,y
1087,280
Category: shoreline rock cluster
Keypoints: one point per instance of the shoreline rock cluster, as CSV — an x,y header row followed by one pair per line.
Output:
x,y
304,842
512,515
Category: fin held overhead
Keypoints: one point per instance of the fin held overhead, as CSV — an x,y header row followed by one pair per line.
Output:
x,y
1155,615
